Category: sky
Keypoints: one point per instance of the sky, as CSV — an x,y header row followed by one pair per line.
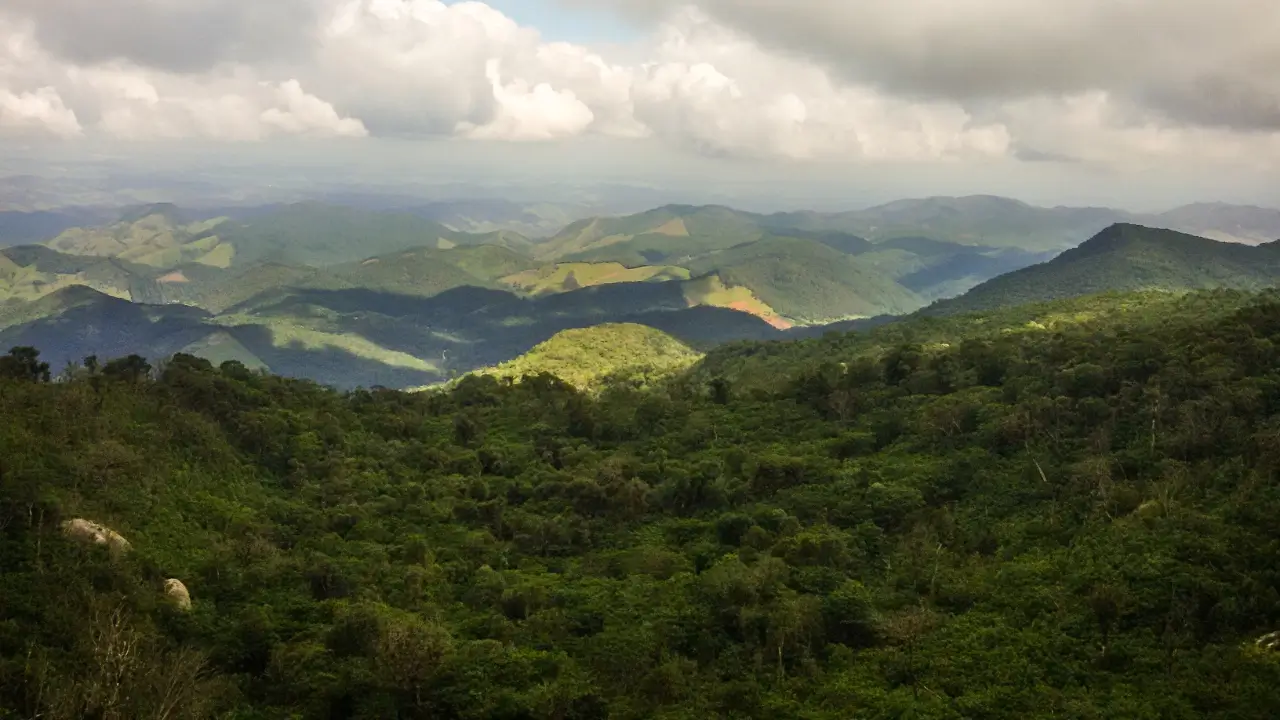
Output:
x,y
1135,103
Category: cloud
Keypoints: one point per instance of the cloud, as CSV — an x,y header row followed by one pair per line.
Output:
x,y
1118,83
1209,62
715,89
41,112
170,35
530,113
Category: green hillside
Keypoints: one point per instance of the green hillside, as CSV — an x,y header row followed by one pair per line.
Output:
x,y
1128,257
946,520
587,357
78,321
318,235
489,262
942,265
29,272
566,277
414,272
303,234
155,236
668,234
807,281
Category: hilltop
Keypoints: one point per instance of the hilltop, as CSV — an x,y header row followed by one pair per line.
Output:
x,y
1127,257
589,357
808,282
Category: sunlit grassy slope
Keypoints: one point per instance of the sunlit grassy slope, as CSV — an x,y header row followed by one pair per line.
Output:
x,y
587,356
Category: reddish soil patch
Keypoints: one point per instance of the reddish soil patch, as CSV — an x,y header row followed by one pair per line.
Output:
x,y
751,308
173,277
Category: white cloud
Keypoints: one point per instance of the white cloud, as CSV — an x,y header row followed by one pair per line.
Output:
x,y
529,113
134,104
37,113
812,80
303,114
717,90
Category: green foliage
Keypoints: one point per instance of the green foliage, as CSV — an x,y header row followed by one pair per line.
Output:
x,y
605,353
23,363
946,518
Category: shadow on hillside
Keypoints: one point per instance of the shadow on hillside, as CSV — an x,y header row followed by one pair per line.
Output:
x,y
108,328
469,327
328,366
450,303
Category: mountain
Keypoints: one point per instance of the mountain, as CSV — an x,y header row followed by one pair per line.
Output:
x,y
975,220
566,277
930,267
78,321
153,235
24,228
1219,221
303,234
303,290
487,215
354,336
587,357
669,235
807,281
1127,257
318,235
29,272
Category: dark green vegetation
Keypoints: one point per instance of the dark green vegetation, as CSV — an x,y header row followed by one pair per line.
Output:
x,y
1055,511
1129,257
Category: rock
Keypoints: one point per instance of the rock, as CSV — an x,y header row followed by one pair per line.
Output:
x,y
1269,642
91,532
177,592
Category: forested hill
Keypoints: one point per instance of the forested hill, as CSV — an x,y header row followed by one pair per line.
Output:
x,y
1127,257
1075,520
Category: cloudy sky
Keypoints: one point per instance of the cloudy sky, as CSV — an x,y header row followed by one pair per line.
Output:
x,y
1147,99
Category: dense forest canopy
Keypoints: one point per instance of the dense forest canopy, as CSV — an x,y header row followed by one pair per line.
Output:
x,y
1061,511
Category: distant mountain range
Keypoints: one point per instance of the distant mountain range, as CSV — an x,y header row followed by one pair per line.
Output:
x,y
353,297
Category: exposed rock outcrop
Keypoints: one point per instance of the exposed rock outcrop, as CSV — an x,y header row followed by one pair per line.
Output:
x,y
177,593
91,532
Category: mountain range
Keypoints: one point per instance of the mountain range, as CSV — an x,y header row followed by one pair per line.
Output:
x,y
392,297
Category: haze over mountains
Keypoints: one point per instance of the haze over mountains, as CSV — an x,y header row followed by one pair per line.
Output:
x,y
408,297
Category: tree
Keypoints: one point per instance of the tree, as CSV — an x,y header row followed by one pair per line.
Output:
x,y
23,363
133,368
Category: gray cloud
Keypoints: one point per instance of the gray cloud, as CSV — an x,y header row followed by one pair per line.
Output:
x,y
174,35
1199,61
1248,104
